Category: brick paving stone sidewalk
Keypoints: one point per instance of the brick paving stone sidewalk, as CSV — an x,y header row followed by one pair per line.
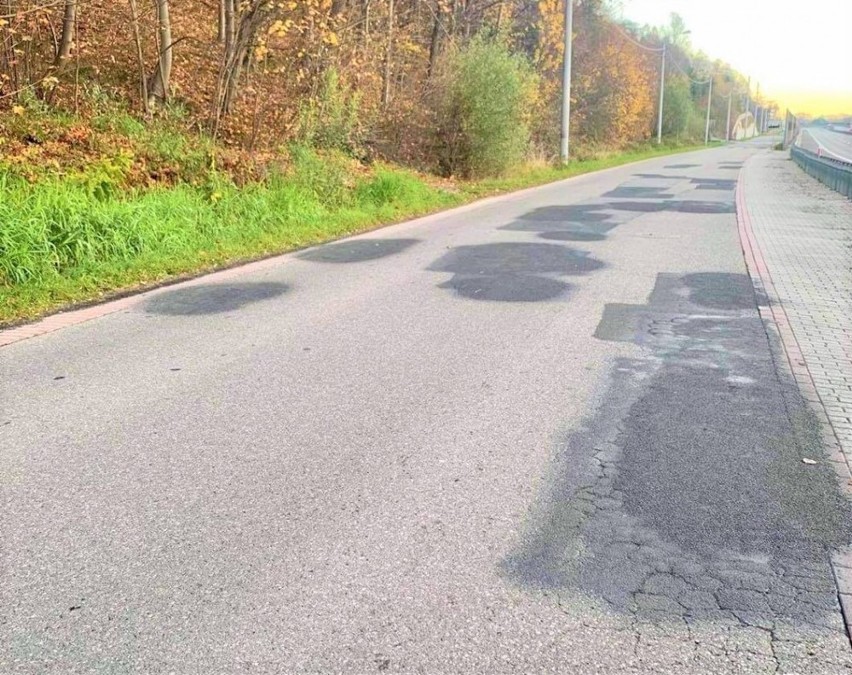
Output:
x,y
803,231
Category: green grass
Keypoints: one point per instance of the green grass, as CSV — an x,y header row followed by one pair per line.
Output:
x,y
538,175
68,241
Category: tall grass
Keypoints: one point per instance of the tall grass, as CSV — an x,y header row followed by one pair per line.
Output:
x,y
64,240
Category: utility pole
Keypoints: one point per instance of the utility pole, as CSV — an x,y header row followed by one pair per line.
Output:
x,y
662,92
728,125
786,129
748,105
707,123
566,79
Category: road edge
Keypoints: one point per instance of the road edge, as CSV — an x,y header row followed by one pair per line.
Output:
x,y
87,311
792,364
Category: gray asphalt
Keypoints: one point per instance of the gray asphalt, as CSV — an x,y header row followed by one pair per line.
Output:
x,y
834,143
543,433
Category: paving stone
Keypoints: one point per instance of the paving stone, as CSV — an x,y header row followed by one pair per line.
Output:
x,y
802,242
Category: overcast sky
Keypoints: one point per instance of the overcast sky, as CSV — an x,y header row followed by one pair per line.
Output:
x,y
802,59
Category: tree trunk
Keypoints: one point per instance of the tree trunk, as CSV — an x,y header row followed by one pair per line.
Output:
x,y
221,22
66,42
229,14
140,57
435,42
386,89
240,41
158,89
366,22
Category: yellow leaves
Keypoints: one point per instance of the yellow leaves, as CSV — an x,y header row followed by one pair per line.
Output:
x,y
260,52
331,38
3,22
280,28
18,110
412,47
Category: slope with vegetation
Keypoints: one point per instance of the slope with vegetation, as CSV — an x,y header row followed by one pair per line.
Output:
x,y
144,140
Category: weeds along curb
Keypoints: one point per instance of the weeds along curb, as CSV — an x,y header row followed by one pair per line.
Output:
x,y
99,303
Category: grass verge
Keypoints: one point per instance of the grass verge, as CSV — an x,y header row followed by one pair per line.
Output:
x,y
71,241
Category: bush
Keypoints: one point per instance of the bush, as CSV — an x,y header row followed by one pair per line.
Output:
x,y
324,178
392,186
677,110
329,120
484,96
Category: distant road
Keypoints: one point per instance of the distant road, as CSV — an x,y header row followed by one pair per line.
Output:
x,y
833,143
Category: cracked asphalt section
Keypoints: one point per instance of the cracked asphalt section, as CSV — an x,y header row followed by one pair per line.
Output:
x,y
661,523
542,433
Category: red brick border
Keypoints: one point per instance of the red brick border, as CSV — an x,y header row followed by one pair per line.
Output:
x,y
775,314
775,319
73,317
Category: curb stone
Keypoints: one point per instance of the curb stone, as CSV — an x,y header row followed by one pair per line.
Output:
x,y
793,364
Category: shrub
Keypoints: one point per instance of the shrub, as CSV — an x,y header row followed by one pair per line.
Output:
x,y
389,186
329,120
324,178
484,96
677,109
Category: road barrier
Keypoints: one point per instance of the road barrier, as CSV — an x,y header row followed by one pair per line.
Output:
x,y
835,173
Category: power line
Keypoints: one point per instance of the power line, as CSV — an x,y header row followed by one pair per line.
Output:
x,y
677,65
636,42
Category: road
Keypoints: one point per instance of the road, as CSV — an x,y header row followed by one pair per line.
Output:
x,y
833,143
543,433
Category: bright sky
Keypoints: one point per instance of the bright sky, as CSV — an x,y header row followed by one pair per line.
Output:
x,y
800,53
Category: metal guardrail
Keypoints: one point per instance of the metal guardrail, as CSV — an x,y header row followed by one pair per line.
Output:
x,y
835,173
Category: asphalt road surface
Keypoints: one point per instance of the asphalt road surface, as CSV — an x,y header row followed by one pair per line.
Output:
x,y
540,434
833,143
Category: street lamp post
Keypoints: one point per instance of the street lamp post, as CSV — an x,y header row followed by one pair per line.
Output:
x,y
728,125
566,80
662,93
707,123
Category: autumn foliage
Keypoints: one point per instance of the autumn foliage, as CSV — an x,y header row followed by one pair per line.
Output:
x,y
409,80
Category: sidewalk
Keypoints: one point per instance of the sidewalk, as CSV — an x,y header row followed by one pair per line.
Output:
x,y
802,235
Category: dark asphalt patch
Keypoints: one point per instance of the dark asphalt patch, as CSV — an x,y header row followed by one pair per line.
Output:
x,y
573,222
507,287
699,182
572,235
661,176
714,184
682,205
685,496
681,166
620,323
720,291
631,192
513,272
640,207
212,298
360,250
696,206
584,214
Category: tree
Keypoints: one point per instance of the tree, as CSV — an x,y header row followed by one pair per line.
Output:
x,y
158,86
66,41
